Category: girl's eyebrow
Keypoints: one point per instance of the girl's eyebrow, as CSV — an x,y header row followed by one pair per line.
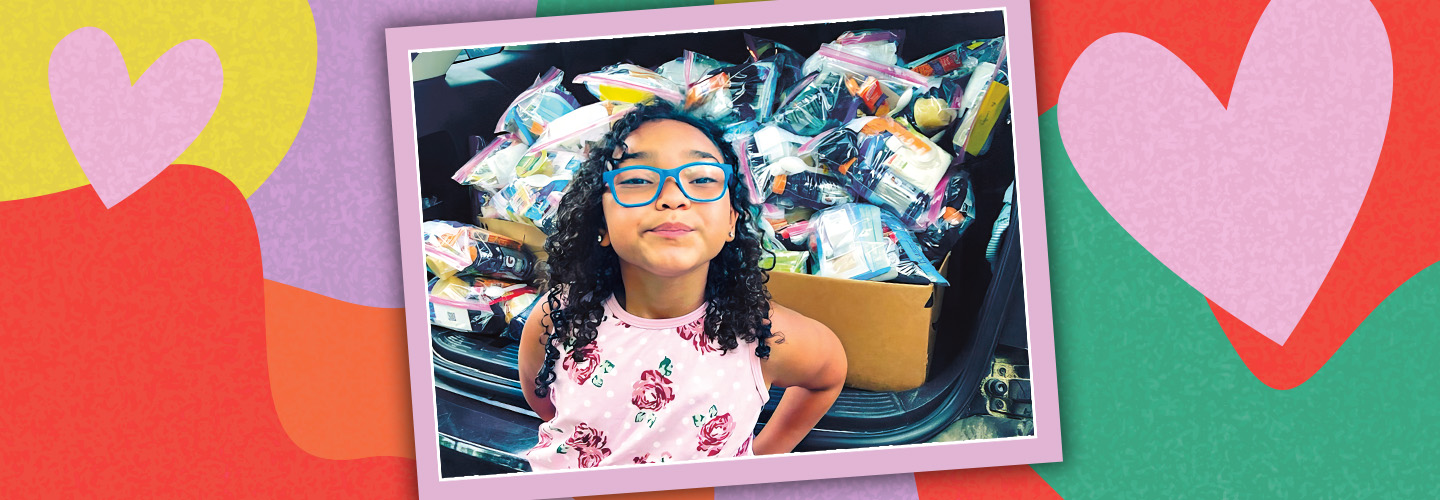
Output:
x,y
702,154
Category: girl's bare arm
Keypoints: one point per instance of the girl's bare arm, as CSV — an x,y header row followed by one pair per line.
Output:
x,y
811,364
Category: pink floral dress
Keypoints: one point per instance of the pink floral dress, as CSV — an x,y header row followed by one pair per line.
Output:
x,y
650,391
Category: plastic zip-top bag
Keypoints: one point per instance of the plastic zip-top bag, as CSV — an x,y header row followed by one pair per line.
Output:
x,y
630,83
905,254
961,59
818,102
537,106
473,304
787,61
913,156
493,167
689,68
734,94
882,46
452,248
577,129
872,178
848,242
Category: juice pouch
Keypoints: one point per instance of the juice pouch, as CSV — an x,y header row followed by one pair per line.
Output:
x,y
537,106
494,166
848,242
786,60
734,94
576,130
912,156
690,68
630,83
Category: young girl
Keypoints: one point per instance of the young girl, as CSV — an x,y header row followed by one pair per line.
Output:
x,y
656,340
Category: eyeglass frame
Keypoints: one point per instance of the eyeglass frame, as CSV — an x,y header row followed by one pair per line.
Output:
x,y
666,174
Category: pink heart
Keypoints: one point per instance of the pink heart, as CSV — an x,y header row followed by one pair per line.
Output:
x,y
125,135
1249,204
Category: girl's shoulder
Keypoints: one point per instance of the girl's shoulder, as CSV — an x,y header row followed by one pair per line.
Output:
x,y
785,320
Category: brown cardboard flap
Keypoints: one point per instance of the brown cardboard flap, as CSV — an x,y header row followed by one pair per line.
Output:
x,y
884,327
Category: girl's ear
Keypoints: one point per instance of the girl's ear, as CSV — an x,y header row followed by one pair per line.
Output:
x,y
734,216
604,238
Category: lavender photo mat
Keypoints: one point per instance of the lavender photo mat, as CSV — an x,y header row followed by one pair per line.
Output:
x,y
1043,446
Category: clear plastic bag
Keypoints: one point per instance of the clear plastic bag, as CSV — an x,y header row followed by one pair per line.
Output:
x,y
786,261
882,46
537,106
576,130
961,59
871,178
690,68
734,94
630,83
911,156
535,199
517,312
473,304
809,189
986,107
905,254
833,60
494,166
848,242
955,217
814,104
787,61
759,153
453,248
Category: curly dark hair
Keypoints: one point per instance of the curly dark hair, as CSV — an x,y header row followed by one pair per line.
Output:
x,y
586,273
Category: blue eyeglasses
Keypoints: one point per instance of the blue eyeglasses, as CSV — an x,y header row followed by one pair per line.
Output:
x,y
639,185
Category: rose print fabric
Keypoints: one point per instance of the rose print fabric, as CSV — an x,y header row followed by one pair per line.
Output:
x,y
650,391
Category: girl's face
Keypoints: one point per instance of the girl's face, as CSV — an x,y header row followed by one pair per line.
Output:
x,y
673,235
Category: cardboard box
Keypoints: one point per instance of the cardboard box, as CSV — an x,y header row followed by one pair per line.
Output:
x,y
886,328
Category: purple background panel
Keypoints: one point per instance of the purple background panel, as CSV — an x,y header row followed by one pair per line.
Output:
x,y
326,216
1043,447
891,487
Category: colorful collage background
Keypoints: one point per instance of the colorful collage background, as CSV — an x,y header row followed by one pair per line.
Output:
x,y
229,323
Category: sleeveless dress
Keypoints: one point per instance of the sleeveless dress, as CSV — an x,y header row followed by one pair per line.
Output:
x,y
650,391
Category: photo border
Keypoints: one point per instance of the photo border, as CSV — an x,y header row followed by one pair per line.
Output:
x,y
1043,446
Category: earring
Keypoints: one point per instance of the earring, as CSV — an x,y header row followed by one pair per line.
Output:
x,y
599,239
732,233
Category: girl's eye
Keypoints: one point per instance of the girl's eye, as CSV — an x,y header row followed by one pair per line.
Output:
x,y
704,180
634,182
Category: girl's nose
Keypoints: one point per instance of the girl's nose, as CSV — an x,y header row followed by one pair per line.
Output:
x,y
670,194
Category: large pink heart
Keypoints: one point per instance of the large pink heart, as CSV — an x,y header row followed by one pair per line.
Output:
x,y
124,135
1249,204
